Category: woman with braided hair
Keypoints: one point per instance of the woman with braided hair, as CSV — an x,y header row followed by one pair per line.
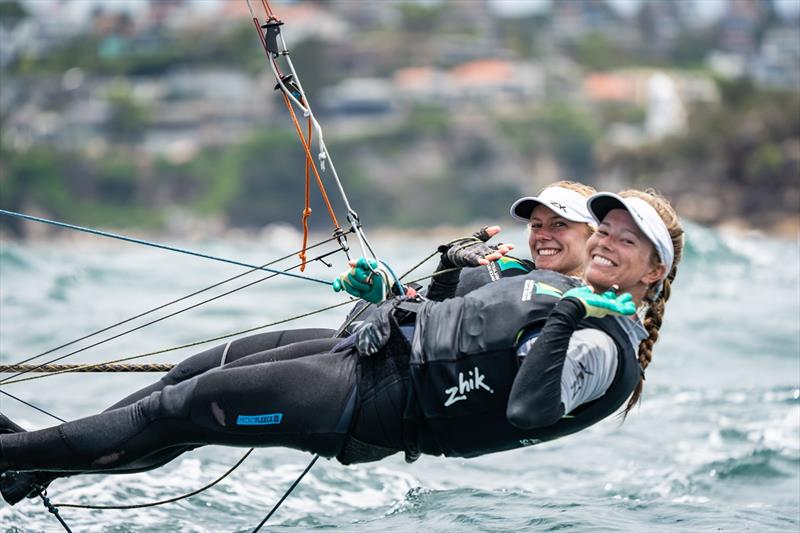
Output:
x,y
516,362
657,295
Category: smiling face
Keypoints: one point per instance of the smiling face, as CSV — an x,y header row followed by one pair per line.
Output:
x,y
557,243
619,254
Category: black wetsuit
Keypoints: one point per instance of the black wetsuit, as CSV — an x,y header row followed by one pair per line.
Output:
x,y
259,348
335,404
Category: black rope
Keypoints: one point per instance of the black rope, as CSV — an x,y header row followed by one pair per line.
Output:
x,y
162,502
52,508
286,494
20,400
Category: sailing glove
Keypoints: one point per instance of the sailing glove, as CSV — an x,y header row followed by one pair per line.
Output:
x,y
367,280
373,333
468,251
600,305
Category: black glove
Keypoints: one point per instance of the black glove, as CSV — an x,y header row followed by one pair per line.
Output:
x,y
467,251
373,333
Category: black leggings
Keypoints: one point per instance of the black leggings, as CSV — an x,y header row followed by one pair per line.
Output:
x,y
291,396
266,347
254,347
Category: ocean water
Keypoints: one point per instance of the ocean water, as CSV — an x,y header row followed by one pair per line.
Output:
x,y
714,446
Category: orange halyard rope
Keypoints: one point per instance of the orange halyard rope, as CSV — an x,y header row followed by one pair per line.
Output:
x,y
306,142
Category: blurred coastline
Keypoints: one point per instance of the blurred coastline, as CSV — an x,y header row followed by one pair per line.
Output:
x,y
160,117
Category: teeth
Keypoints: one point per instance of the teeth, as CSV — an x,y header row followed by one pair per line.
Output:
x,y
548,251
600,260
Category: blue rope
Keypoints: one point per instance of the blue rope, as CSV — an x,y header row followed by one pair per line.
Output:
x,y
157,245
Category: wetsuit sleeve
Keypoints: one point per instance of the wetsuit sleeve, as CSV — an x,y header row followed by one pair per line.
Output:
x,y
535,399
589,368
443,286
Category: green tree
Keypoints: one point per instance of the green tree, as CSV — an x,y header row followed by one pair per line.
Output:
x,y
572,134
128,119
11,12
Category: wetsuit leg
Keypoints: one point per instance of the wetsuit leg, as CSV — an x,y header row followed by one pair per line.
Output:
x,y
304,403
281,353
233,351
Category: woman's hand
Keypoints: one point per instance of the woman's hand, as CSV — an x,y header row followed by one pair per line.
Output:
x,y
473,251
367,279
600,305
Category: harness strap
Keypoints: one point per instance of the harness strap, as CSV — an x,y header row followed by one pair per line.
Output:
x,y
411,306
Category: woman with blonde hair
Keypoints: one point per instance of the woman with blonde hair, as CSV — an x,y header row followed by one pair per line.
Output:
x,y
559,225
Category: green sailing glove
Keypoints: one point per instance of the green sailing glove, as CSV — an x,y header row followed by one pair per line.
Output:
x,y
367,280
600,305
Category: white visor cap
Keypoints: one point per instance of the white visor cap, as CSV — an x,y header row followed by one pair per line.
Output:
x,y
564,202
646,218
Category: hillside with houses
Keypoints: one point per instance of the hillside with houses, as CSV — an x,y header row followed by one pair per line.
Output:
x,y
435,112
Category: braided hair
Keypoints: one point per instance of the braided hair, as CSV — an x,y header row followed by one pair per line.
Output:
x,y
656,302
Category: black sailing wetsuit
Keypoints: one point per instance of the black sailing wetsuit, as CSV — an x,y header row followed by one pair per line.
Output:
x,y
357,409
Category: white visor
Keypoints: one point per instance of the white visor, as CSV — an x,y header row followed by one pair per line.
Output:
x,y
564,202
646,218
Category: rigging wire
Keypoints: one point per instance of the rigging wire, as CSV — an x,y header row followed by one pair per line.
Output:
x,y
43,411
154,244
151,322
162,306
187,345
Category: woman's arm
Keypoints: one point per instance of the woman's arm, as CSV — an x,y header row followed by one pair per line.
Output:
x,y
544,390
443,286
467,252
